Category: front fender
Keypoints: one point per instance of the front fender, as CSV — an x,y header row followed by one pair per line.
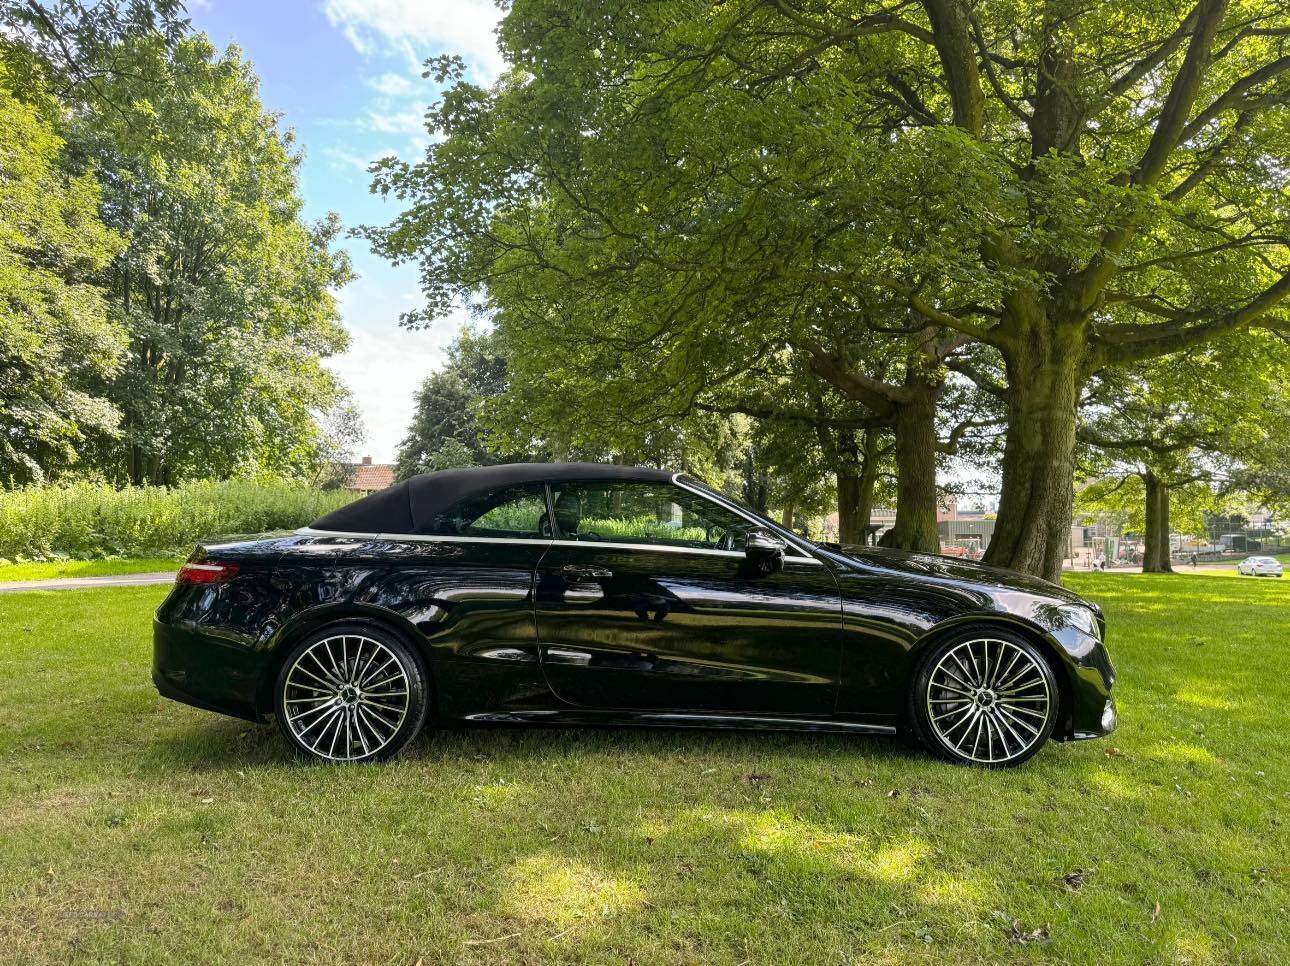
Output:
x,y
1080,663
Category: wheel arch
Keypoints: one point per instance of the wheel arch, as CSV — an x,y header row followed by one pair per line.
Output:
x,y
1051,652
314,619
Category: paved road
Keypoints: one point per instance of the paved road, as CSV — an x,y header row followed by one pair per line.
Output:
x,y
87,583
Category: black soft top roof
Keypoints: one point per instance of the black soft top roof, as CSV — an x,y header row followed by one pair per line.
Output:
x,y
404,507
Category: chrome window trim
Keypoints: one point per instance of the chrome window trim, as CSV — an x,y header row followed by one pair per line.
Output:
x,y
423,537
546,542
668,548
738,511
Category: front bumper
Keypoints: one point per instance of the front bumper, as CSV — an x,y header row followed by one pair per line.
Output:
x,y
1109,721
1090,710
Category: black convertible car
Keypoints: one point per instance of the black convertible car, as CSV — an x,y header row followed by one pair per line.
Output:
x,y
589,594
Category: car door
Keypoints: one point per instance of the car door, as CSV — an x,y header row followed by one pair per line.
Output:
x,y
645,601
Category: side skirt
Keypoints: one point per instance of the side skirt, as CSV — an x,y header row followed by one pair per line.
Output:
x,y
667,719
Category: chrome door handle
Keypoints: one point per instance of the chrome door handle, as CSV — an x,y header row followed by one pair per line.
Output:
x,y
575,573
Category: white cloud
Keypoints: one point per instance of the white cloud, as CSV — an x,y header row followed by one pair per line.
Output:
x,y
398,122
342,159
385,365
462,27
392,85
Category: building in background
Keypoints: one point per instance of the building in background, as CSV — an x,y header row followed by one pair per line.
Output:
x,y
368,477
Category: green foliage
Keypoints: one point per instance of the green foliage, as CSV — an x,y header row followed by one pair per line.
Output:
x,y
86,520
1125,498
445,432
640,526
74,44
55,336
341,431
63,568
659,199
227,295
1197,424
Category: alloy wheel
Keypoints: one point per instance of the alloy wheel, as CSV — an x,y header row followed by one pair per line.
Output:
x,y
345,697
989,700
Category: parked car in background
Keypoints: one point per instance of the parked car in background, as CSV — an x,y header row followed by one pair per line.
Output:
x,y
582,594
1260,567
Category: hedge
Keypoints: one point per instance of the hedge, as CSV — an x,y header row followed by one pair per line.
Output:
x,y
94,520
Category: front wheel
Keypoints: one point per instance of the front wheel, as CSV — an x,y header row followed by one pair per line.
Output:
x,y
351,693
984,697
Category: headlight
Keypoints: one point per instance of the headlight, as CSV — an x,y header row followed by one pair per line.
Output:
x,y
1082,618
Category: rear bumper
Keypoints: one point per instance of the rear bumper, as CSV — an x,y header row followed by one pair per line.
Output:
x,y
207,673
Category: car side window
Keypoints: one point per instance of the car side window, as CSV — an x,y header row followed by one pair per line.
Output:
x,y
518,512
645,513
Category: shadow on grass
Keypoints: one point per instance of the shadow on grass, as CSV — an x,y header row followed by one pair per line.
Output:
x,y
220,744
621,838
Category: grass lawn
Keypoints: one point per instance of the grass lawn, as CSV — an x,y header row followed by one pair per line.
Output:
x,y
135,829
54,569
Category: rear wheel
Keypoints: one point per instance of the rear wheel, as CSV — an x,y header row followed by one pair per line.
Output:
x,y
984,697
351,692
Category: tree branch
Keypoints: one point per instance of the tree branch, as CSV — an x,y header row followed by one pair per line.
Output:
x,y
992,76
878,396
950,34
951,445
933,314
1149,63
965,368
1133,343
1234,95
1182,92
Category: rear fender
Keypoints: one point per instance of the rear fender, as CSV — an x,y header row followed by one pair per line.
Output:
x,y
306,622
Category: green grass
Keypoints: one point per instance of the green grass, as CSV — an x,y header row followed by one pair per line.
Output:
x,y
53,569
135,829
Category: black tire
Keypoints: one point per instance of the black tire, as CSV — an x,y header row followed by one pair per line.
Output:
x,y
1009,709
350,679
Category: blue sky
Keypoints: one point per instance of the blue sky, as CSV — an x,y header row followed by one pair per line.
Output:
x,y
346,75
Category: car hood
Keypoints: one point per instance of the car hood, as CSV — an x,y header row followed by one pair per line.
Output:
x,y
928,565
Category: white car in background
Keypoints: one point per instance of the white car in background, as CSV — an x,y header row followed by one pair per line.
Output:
x,y
1260,567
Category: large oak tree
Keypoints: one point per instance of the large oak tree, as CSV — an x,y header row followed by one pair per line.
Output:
x,y
1045,190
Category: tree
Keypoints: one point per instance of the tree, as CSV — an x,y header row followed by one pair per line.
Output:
x,y
1050,193
1182,428
55,336
341,432
71,47
443,413
445,431
224,290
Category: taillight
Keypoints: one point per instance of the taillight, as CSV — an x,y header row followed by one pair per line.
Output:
x,y
205,573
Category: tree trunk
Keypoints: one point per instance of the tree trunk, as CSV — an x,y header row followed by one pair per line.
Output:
x,y
915,428
857,471
850,528
868,477
1037,496
755,485
134,464
1156,558
786,519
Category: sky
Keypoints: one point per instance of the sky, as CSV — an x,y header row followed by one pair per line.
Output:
x,y
346,76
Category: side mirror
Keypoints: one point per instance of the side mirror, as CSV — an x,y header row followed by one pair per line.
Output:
x,y
764,551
